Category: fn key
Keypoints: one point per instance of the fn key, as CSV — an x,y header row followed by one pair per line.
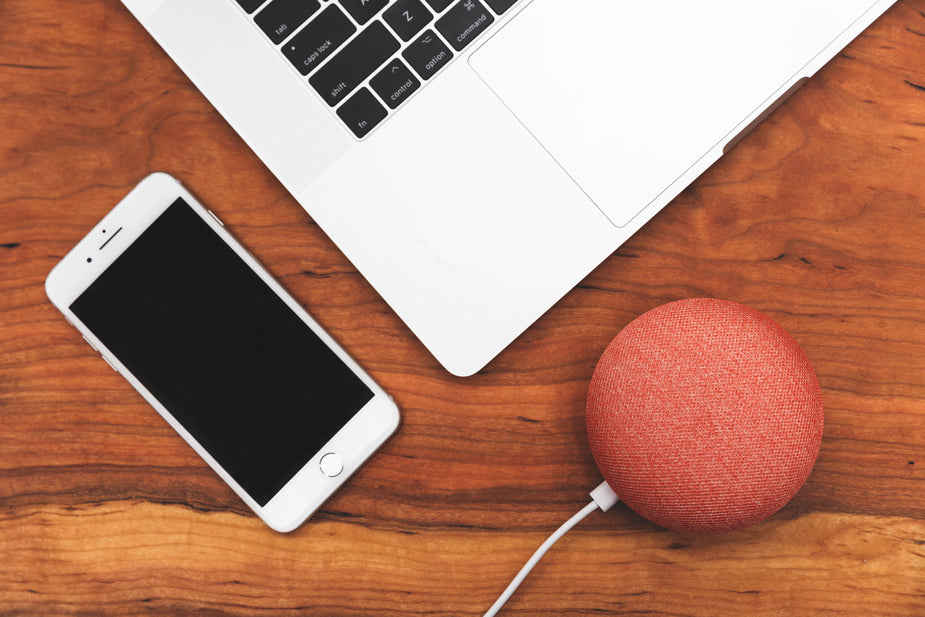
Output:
x,y
362,112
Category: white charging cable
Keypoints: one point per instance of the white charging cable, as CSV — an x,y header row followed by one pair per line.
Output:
x,y
602,497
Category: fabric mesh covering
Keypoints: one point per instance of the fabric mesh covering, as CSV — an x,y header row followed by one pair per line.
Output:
x,y
704,416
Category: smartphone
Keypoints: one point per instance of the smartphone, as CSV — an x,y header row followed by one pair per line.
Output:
x,y
207,336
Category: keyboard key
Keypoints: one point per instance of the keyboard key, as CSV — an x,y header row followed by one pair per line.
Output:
x,y
354,63
407,18
464,22
439,5
427,54
500,6
319,39
363,10
394,83
250,5
280,18
362,112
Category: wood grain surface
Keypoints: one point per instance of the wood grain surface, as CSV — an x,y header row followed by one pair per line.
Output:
x,y
817,219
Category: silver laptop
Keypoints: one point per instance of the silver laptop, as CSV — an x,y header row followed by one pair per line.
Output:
x,y
475,159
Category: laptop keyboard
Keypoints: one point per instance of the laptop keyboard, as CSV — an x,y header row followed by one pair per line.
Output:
x,y
364,58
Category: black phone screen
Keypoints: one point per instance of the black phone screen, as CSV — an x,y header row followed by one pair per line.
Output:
x,y
252,383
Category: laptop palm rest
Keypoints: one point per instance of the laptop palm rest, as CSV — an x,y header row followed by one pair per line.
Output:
x,y
674,82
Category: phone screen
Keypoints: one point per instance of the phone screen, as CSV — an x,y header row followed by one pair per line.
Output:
x,y
252,383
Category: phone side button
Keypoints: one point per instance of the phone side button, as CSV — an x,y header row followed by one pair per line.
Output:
x,y
90,344
331,465
109,363
215,216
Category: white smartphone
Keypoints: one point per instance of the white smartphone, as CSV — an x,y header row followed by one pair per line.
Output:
x,y
222,352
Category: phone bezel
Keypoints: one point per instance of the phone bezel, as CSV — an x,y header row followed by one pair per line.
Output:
x,y
355,442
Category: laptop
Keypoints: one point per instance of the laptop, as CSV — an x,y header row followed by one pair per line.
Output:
x,y
475,159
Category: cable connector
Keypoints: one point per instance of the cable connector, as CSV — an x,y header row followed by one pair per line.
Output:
x,y
604,496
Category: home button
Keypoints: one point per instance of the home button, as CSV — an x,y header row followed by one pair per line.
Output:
x,y
331,465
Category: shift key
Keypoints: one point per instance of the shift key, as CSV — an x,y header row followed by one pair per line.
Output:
x,y
354,63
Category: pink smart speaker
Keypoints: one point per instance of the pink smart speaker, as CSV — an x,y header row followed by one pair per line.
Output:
x,y
704,416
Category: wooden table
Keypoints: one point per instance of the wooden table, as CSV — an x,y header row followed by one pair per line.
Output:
x,y
817,219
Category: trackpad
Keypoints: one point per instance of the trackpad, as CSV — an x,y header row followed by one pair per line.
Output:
x,y
628,96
